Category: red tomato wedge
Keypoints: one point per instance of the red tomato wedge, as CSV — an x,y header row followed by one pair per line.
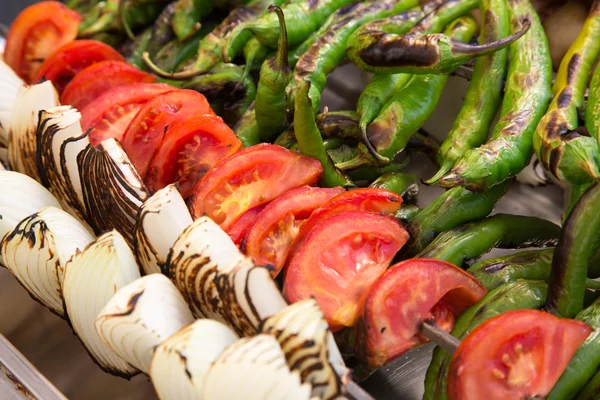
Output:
x,y
251,177
146,131
268,241
70,59
339,259
237,231
111,113
516,355
36,33
189,149
408,293
98,78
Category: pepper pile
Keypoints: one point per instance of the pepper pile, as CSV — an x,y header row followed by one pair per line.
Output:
x,y
217,104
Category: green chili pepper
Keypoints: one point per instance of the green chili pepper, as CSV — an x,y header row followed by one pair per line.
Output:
x,y
175,53
187,17
255,53
303,18
471,127
275,75
517,295
570,155
310,141
161,30
331,124
411,106
592,108
503,231
407,212
579,241
369,174
591,390
246,129
403,184
526,96
137,48
328,51
453,208
224,89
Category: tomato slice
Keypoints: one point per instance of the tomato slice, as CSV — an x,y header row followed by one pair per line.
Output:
x,y
98,78
146,131
339,259
189,149
237,232
408,293
36,33
70,59
251,177
516,355
111,113
268,241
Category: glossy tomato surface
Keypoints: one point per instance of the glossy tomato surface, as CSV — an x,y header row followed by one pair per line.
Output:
x,y
98,78
147,129
408,293
268,241
189,149
36,33
253,176
516,355
67,61
339,259
237,232
111,113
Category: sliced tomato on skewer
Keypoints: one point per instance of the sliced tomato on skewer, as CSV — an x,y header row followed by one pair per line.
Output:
x,y
268,241
237,232
147,129
66,62
36,33
111,113
339,259
251,177
98,78
516,355
189,149
406,295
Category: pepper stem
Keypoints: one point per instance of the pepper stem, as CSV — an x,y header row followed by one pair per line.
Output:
x,y
282,44
123,20
487,48
364,138
176,76
444,169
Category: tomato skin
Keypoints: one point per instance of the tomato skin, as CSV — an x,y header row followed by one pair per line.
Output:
x,y
146,131
515,355
279,223
253,176
339,259
70,59
212,141
237,232
111,113
395,306
98,78
36,32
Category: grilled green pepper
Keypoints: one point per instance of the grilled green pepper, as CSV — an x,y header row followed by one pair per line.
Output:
x,y
187,17
401,183
246,129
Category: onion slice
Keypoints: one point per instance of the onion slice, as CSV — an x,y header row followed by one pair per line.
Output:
x,y
159,223
22,135
253,369
91,280
141,316
113,192
10,83
180,363
36,251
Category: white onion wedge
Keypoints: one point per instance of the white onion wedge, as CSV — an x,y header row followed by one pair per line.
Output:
x,y
253,369
22,134
113,192
4,156
141,316
180,363
91,280
159,223
59,129
10,83
20,197
36,251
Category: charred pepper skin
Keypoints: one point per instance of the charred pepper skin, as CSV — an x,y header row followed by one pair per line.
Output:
x,y
568,153
275,75
483,98
579,241
503,231
517,295
187,17
526,96
452,209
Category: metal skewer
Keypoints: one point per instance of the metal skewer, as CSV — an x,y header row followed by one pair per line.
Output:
x,y
440,337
